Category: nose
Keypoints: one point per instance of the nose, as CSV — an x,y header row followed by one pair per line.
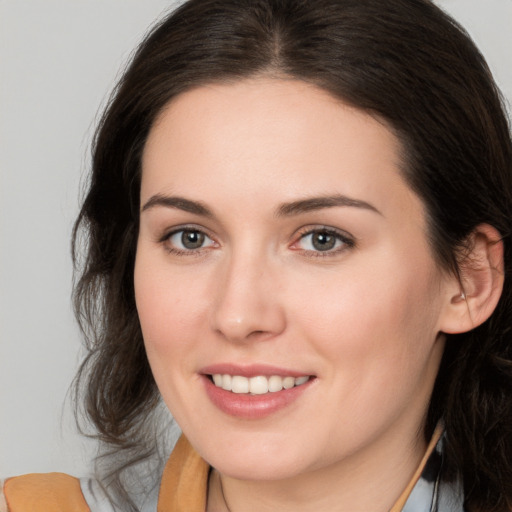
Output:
x,y
248,305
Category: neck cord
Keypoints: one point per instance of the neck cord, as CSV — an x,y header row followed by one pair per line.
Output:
x,y
223,495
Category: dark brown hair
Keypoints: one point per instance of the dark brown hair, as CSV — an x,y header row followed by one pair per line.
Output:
x,y
404,61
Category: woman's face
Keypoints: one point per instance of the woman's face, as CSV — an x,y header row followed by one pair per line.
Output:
x,y
279,246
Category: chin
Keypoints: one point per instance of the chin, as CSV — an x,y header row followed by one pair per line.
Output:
x,y
262,470
258,458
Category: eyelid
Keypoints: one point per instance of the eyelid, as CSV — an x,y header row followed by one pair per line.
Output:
x,y
164,239
346,238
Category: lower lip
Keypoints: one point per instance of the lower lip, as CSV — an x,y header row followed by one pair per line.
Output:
x,y
251,407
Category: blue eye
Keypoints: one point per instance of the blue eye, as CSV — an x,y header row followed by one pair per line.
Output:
x,y
324,240
189,240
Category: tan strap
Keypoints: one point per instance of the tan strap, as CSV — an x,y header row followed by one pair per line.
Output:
x,y
46,492
400,503
184,481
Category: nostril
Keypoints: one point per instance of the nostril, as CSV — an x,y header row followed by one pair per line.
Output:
x,y
248,317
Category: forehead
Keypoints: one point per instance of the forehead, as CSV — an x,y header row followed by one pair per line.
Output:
x,y
253,136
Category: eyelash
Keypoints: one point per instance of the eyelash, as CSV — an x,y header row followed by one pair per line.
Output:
x,y
346,240
169,247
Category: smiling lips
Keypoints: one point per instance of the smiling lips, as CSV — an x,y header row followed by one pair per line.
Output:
x,y
258,385
261,392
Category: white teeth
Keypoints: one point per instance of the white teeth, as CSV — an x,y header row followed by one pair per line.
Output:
x,y
259,385
301,380
226,382
275,383
239,384
288,382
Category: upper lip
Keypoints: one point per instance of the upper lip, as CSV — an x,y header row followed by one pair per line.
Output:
x,y
252,370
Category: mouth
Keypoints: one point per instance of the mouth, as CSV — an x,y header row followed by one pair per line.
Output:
x,y
257,385
256,391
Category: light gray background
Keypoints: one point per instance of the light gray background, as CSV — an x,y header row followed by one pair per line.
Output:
x,y
58,61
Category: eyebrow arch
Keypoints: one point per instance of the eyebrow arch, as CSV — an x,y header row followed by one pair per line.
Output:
x,y
317,203
180,203
284,210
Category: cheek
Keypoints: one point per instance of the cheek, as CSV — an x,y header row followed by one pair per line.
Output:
x,y
378,332
168,308
380,319
169,313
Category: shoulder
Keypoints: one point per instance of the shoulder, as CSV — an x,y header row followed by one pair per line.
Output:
x,y
44,492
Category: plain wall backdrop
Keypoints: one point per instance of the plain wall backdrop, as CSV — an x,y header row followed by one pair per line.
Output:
x,y
58,63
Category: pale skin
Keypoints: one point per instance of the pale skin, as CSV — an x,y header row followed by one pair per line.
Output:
x,y
365,318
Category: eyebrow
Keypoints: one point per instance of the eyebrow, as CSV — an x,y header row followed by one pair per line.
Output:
x,y
180,203
318,203
284,210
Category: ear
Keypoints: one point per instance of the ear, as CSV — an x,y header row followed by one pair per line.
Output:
x,y
473,298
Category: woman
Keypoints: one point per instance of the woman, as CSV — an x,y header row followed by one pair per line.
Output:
x,y
297,232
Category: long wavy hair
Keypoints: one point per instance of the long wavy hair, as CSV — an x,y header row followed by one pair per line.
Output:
x,y
405,61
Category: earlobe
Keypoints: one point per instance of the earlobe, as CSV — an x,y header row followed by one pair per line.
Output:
x,y
474,298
